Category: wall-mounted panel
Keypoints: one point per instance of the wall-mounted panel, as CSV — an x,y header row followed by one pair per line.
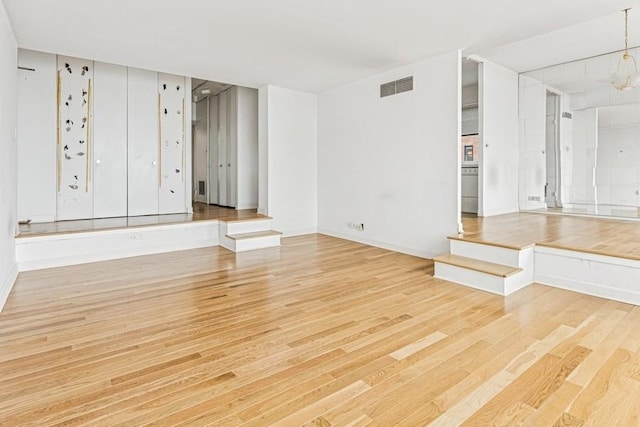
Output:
x,y
171,92
75,190
110,140
143,114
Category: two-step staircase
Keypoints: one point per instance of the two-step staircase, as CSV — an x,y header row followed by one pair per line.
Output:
x,y
496,268
241,235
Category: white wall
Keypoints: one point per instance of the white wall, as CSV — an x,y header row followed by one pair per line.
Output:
x,y
8,158
289,150
247,148
498,125
393,163
37,123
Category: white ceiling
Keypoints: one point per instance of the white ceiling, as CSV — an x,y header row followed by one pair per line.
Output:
x,y
314,46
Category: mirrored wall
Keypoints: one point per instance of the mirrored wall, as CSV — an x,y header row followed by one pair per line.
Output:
x,y
579,140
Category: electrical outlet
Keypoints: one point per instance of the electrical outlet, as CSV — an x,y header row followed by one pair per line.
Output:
x,y
356,226
135,236
534,198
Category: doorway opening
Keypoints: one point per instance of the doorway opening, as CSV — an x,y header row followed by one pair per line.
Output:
x,y
470,140
225,144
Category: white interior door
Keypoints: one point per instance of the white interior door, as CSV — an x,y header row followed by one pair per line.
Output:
x,y
110,141
498,131
213,150
232,148
143,143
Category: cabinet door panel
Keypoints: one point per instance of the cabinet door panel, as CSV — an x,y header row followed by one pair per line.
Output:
x,y
143,144
110,141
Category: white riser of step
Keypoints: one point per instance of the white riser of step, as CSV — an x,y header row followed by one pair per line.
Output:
x,y
250,244
240,227
490,253
483,281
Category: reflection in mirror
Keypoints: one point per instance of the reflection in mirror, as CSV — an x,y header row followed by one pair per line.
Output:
x,y
579,140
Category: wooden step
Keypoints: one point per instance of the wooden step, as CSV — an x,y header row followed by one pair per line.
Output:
x,y
253,235
256,218
478,265
476,239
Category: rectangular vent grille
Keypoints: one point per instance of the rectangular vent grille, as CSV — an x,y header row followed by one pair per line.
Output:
x,y
404,85
387,89
398,86
201,189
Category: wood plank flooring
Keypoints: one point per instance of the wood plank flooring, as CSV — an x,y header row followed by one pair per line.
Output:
x,y
593,235
320,331
201,212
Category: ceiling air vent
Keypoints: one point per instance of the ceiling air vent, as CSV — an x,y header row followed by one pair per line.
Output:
x,y
398,86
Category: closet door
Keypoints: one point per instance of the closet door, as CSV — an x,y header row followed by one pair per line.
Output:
x,y
74,145
143,142
232,148
200,150
223,141
171,96
213,150
110,141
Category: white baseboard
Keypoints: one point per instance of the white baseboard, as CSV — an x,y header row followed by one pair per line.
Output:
x,y
7,284
500,211
38,252
300,232
405,250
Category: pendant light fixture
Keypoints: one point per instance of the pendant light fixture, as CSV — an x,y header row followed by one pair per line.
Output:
x,y
627,76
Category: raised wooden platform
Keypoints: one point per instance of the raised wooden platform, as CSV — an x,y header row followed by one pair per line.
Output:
x,y
595,256
608,237
66,243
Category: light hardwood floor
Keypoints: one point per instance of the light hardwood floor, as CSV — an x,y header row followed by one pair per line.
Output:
x,y
321,331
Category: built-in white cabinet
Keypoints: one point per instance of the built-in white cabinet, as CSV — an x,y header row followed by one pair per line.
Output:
x,y
98,140
37,128
143,145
